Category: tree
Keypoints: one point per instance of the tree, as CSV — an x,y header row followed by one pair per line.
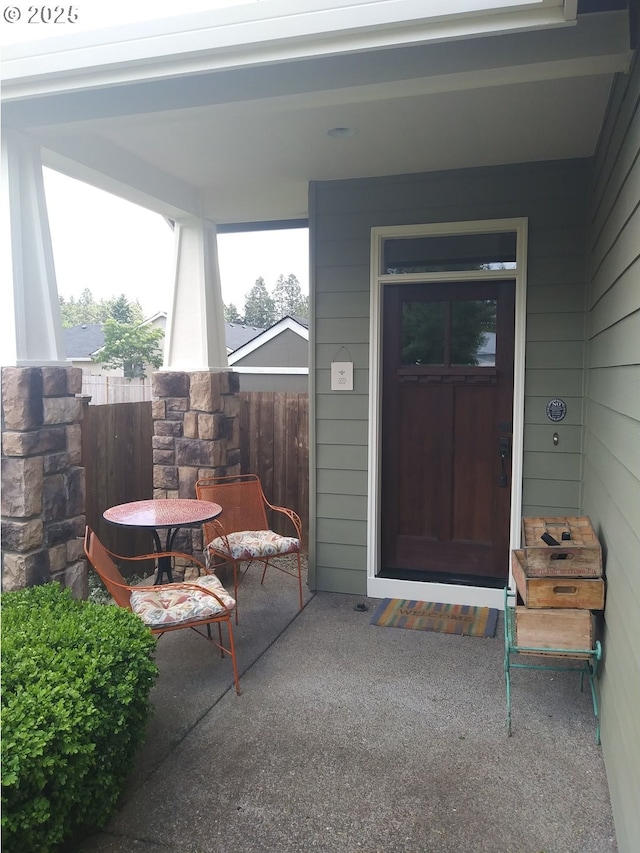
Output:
x,y
120,309
86,311
80,312
231,314
289,298
259,307
129,347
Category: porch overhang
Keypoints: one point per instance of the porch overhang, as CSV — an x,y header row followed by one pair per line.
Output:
x,y
224,114
258,34
222,117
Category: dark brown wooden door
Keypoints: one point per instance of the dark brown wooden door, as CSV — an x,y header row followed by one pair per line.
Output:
x,y
446,429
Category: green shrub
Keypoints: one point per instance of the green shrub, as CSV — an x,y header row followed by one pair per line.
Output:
x,y
76,678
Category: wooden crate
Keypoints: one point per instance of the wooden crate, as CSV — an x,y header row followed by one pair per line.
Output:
x,y
574,592
577,557
554,629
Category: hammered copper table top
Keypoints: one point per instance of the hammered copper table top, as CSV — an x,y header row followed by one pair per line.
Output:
x,y
170,512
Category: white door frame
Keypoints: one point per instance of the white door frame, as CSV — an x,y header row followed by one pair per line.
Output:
x,y
419,590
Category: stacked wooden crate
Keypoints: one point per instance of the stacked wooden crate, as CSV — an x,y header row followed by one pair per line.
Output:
x,y
560,584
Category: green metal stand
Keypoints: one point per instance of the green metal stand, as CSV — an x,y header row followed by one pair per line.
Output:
x,y
590,659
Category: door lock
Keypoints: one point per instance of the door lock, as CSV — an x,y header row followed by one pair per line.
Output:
x,y
504,447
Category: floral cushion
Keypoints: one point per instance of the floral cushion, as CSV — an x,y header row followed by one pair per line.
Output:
x,y
173,604
252,545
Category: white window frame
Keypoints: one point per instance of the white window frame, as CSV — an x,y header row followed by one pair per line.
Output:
x,y
419,590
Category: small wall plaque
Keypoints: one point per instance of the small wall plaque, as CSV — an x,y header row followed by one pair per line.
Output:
x,y
556,409
342,376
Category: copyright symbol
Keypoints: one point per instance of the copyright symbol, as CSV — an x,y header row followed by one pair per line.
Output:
x,y
12,14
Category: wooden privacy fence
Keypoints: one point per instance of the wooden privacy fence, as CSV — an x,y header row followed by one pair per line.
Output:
x,y
118,457
274,444
115,389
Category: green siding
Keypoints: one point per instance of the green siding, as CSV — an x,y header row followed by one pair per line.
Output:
x,y
611,491
339,531
553,196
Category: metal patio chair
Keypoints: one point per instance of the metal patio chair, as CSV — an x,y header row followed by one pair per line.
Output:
x,y
241,534
172,606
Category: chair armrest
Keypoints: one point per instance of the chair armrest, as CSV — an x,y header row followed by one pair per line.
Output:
x,y
156,554
219,533
291,515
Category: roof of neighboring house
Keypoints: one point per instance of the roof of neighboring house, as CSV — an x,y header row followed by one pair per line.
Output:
x,y
303,321
299,325
238,334
82,341
235,334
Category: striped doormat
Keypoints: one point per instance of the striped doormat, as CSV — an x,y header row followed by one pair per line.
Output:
x,y
428,616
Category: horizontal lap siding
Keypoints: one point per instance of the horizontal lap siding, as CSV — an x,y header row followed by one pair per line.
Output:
x,y
342,213
611,494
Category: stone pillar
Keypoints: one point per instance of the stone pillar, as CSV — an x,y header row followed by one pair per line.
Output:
x,y
43,484
196,433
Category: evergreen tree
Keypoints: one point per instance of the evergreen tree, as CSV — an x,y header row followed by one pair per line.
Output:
x,y
78,312
86,311
289,299
259,307
120,309
231,314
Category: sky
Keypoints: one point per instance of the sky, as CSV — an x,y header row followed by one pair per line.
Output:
x,y
112,246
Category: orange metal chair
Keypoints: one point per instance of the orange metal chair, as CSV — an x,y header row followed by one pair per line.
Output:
x,y
242,534
171,606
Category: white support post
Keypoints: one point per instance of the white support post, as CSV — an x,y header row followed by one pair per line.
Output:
x,y
31,327
195,335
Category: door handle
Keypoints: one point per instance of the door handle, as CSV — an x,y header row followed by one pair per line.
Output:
x,y
504,447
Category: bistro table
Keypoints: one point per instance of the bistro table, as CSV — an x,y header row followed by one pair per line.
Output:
x,y
168,514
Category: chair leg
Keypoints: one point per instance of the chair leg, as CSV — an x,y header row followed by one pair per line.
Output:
x,y
234,663
236,569
300,581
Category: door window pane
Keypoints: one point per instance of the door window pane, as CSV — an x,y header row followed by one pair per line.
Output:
x,y
423,333
473,333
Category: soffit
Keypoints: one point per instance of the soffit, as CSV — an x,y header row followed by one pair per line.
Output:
x,y
243,145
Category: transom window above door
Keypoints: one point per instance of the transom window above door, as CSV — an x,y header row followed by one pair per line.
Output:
x,y
449,253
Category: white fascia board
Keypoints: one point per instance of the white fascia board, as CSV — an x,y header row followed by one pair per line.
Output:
x,y
157,316
257,33
268,335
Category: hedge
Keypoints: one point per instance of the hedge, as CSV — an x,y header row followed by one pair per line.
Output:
x,y
76,678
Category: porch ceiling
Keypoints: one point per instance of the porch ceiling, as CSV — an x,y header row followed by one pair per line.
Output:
x,y
242,144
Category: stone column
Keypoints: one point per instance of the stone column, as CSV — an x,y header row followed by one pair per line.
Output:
x,y
196,433
43,484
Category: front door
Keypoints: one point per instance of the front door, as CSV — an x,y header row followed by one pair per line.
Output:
x,y
446,430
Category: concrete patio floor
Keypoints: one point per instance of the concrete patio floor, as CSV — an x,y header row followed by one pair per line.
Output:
x,y
350,737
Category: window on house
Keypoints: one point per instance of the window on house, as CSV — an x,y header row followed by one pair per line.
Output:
x,y
454,252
